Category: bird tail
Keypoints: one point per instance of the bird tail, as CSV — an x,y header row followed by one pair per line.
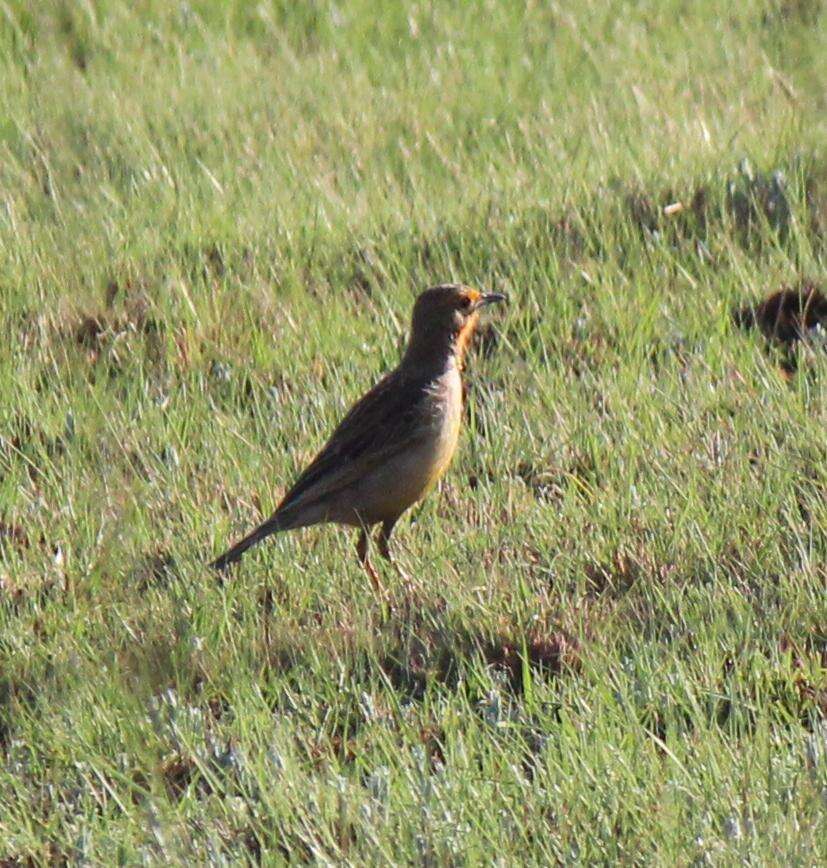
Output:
x,y
271,526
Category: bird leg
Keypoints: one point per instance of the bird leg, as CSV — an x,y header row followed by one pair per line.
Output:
x,y
385,550
385,539
362,543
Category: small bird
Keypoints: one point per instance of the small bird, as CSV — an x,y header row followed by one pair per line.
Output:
x,y
396,441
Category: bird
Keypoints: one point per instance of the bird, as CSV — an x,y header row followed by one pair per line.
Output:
x,y
396,441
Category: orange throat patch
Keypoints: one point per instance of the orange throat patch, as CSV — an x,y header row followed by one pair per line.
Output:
x,y
463,339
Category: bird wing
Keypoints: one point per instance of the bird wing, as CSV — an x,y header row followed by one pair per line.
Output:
x,y
385,421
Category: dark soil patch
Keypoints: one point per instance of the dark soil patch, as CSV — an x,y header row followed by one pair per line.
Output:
x,y
788,318
788,315
434,652
794,684
13,535
157,569
545,653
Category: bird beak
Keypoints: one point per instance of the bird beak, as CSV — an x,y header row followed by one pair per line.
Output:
x,y
490,298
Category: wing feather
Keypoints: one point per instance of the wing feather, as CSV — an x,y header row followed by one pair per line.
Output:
x,y
388,419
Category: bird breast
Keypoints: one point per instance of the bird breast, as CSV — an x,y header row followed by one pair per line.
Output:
x,y
402,481
445,400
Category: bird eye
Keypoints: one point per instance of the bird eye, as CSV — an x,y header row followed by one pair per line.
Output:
x,y
466,302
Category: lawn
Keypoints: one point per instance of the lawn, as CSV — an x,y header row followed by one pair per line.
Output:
x,y
214,218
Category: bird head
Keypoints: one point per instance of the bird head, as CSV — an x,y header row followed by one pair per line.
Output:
x,y
445,316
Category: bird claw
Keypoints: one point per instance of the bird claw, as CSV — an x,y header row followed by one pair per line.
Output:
x,y
375,580
407,581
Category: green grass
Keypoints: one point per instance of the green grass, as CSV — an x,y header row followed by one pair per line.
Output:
x,y
214,218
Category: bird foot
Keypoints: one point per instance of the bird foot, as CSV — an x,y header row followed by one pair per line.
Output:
x,y
369,568
407,581
375,580
385,551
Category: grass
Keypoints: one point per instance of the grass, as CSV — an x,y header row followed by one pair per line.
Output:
x,y
213,221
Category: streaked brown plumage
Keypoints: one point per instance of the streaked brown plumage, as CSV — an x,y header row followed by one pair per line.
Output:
x,y
396,441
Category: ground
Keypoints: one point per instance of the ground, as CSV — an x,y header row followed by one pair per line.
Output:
x,y
214,218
